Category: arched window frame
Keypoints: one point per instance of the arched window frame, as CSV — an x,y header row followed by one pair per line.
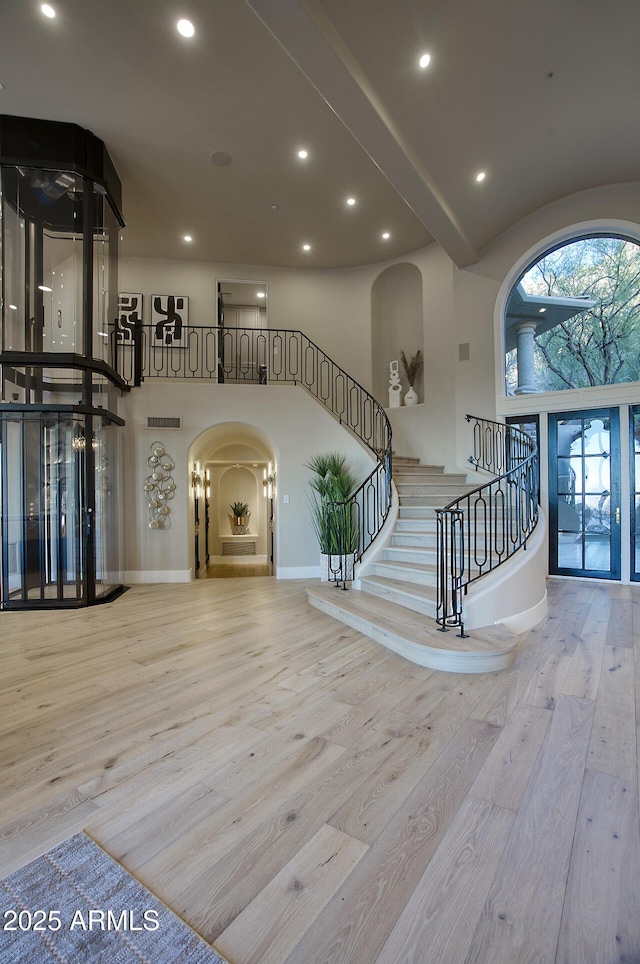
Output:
x,y
550,401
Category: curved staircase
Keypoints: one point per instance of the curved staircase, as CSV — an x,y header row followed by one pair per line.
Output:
x,y
399,590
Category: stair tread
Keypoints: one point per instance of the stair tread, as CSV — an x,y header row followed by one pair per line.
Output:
x,y
413,627
427,593
412,566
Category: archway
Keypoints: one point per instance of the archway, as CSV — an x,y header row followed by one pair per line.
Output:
x,y
232,463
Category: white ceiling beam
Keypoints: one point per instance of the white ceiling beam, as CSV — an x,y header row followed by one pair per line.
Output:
x,y
310,39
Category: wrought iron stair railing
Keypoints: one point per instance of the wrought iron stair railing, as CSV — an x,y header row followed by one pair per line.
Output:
x,y
276,356
479,531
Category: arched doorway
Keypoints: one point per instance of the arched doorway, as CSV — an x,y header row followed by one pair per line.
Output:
x,y
233,464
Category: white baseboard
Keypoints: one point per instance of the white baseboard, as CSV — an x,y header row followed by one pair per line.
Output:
x,y
138,576
297,572
237,560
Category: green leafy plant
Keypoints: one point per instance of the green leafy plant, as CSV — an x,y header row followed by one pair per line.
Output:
x,y
239,509
411,367
332,512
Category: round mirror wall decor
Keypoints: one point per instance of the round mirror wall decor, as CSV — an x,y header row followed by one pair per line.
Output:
x,y
159,486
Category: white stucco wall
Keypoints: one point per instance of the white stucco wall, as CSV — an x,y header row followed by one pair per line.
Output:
x,y
168,555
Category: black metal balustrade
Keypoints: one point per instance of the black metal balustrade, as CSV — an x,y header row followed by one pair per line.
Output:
x,y
479,531
276,356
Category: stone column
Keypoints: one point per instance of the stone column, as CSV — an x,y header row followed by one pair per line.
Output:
x,y
526,369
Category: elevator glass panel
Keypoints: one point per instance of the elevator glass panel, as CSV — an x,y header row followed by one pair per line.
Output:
x,y
43,499
107,534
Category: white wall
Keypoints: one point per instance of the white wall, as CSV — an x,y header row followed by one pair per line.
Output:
x,y
166,555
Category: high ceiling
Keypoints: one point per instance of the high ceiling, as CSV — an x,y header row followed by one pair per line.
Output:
x,y
544,98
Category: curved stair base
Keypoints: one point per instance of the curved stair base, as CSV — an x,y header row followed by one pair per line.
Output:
x,y
417,637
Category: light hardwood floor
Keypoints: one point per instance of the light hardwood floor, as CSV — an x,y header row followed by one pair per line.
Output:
x,y
298,793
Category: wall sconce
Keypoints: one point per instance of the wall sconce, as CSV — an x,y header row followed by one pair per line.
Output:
x,y
196,478
159,488
207,484
268,481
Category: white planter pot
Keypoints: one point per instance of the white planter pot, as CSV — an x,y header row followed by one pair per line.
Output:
x,y
337,568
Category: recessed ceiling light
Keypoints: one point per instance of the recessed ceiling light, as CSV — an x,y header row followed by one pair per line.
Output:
x,y
259,294
542,310
302,154
480,176
186,28
386,236
425,60
13,307
45,288
274,207
188,237
351,201
306,247
1,86
48,10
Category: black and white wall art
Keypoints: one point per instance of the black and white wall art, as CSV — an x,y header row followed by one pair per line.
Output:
x,y
169,320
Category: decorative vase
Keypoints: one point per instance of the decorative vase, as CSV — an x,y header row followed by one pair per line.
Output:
x,y
239,524
411,398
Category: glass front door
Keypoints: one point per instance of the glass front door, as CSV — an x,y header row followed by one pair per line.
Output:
x,y
584,493
634,447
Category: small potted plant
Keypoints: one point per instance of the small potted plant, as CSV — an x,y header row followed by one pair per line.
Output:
x,y
334,516
412,370
239,519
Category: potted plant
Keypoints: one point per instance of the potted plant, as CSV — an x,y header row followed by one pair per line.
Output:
x,y
239,520
334,515
412,370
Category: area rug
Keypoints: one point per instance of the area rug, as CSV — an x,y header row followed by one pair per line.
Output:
x,y
74,905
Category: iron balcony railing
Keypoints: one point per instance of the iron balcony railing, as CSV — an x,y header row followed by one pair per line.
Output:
x,y
481,530
276,356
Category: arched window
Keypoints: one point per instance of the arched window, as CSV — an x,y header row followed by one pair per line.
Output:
x,y
573,317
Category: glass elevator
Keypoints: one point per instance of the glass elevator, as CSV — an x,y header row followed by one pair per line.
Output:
x,y
60,201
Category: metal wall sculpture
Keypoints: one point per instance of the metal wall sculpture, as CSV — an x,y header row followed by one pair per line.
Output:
x,y
159,487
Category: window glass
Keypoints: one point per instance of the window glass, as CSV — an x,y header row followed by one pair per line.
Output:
x,y
573,318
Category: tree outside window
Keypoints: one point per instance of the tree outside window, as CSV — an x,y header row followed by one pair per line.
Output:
x,y
569,346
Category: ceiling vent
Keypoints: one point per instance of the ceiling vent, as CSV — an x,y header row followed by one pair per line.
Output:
x,y
164,421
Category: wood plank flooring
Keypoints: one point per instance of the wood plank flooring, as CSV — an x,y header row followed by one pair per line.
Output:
x,y
298,793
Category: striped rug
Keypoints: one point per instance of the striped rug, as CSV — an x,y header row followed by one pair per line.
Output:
x,y
75,905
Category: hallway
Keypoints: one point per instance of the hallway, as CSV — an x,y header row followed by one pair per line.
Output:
x,y
298,793
229,570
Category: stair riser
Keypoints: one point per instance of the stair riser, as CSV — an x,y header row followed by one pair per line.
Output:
x,y
413,526
414,478
414,577
416,467
419,512
423,556
402,540
443,493
436,501
425,606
